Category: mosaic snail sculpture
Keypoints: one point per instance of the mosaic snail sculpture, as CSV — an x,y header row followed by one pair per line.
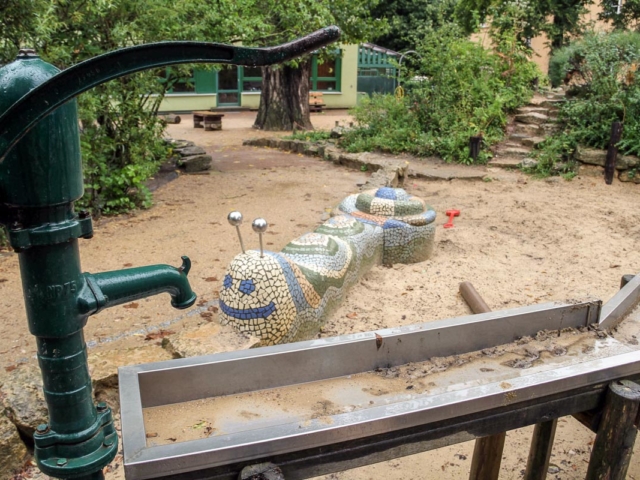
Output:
x,y
286,296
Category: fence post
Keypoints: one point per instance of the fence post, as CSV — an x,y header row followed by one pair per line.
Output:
x,y
612,152
613,446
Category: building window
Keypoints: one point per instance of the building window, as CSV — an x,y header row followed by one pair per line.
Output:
x,y
199,81
325,76
251,79
182,85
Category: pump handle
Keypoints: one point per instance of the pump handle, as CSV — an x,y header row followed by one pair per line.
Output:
x,y
59,89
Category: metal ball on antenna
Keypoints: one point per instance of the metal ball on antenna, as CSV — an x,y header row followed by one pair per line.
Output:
x,y
235,220
259,226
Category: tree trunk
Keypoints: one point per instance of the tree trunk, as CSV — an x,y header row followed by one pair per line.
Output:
x,y
284,100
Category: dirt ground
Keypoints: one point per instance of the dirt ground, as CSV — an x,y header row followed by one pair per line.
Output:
x,y
519,240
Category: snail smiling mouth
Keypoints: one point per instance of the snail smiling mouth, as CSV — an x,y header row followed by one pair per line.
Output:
x,y
248,313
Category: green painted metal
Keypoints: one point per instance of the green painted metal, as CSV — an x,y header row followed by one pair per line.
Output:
x,y
40,179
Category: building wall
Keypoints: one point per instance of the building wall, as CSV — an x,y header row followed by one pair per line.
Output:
x,y
540,43
346,98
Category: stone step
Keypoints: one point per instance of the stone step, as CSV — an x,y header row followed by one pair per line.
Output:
x,y
514,151
532,118
549,128
532,141
527,129
505,162
532,109
515,143
552,103
518,137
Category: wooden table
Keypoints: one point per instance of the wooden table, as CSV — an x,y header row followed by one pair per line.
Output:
x,y
211,120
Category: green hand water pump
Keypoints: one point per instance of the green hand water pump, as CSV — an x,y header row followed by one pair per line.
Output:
x,y
40,179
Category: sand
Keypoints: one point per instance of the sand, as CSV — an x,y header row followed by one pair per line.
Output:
x,y
519,240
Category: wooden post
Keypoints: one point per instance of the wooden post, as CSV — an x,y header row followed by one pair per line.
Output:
x,y
613,446
474,146
540,451
612,152
487,454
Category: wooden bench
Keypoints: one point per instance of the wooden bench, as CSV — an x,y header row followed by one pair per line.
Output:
x,y
316,103
208,120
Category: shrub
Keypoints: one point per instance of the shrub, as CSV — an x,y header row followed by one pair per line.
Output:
x,y
602,73
460,90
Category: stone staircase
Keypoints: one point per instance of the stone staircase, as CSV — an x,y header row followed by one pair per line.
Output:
x,y
529,126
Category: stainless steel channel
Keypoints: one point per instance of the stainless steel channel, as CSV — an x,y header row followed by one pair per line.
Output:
x,y
622,302
250,370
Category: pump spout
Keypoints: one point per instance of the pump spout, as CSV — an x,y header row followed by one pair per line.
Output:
x,y
108,289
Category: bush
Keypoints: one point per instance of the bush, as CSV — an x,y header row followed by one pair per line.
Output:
x,y
122,145
460,90
601,70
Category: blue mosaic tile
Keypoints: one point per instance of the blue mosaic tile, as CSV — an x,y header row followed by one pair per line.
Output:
x,y
247,287
228,281
386,192
247,314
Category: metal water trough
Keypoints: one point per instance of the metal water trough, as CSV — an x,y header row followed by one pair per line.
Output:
x,y
413,423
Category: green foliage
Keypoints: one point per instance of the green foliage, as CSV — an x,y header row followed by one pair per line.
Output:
x,y
459,90
310,135
628,18
559,19
602,69
554,156
410,20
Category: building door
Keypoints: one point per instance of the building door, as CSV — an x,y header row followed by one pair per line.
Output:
x,y
228,87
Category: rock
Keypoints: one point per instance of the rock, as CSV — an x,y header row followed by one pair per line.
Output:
x,y
196,163
23,399
294,145
592,156
273,142
12,450
529,163
353,160
332,154
532,141
528,130
206,339
190,150
532,118
104,363
380,178
177,144
505,162
337,132
549,128
325,216
525,110
626,162
626,177
311,150
256,142
552,180
515,151
590,171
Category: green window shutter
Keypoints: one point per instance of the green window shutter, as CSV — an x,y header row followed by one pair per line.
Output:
x,y
205,81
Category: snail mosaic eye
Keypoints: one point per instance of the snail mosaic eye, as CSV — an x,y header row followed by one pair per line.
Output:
x,y
227,281
247,287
